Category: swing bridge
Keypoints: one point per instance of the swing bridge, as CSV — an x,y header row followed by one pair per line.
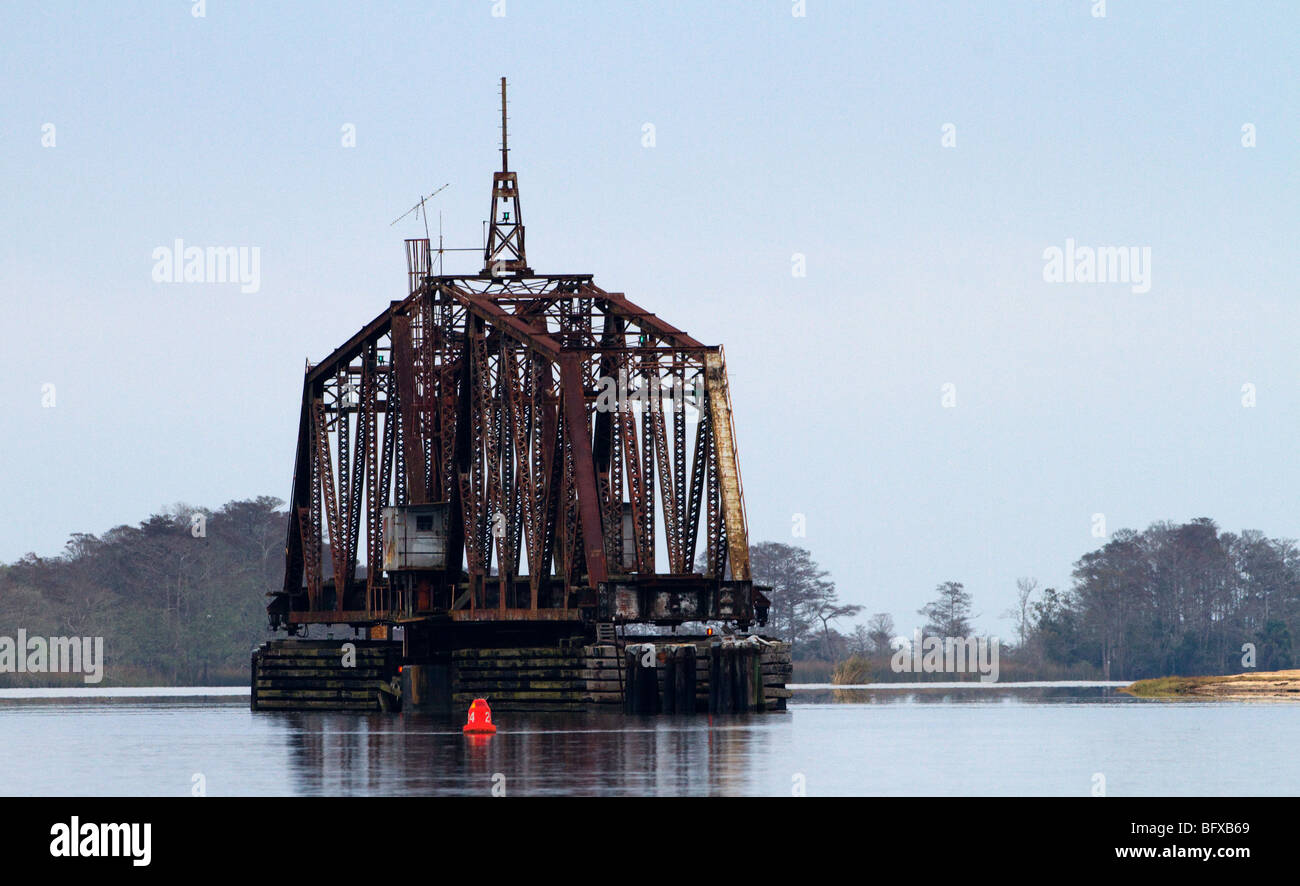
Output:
x,y
514,458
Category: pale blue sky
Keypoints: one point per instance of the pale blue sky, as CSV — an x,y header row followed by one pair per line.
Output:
x,y
775,135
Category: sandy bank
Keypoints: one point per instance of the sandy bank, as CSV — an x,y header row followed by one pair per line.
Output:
x,y
1266,685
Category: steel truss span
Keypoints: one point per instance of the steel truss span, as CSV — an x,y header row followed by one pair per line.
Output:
x,y
511,447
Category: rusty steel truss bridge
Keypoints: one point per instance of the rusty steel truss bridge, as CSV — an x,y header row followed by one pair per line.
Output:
x,y
547,458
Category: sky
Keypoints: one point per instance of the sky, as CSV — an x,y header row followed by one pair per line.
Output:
x,y
921,398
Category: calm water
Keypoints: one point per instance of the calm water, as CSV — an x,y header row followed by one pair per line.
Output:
x,y
984,743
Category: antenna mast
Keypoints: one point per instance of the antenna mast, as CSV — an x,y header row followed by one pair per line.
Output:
x,y
504,252
505,145
418,207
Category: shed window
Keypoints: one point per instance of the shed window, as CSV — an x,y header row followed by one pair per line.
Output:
x,y
424,523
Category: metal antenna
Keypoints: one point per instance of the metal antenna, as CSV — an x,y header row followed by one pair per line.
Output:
x,y
503,252
505,149
419,206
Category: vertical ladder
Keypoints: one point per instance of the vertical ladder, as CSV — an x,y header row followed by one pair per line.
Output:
x,y
607,633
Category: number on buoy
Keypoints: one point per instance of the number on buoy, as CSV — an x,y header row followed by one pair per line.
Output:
x,y
479,721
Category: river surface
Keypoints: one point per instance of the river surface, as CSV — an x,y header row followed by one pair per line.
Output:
x,y
1064,740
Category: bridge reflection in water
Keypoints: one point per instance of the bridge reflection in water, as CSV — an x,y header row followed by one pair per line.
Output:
x,y
554,754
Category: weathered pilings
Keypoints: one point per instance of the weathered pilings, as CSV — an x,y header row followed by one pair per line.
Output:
x,y
717,678
660,679
678,681
325,675
687,672
252,665
427,687
679,677
524,679
775,669
684,679
668,666
642,693
737,679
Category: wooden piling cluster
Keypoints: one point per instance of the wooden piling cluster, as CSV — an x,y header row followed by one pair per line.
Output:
x,y
704,677
677,677
777,667
660,679
536,679
305,675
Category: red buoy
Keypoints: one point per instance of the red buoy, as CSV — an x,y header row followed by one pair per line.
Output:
x,y
479,721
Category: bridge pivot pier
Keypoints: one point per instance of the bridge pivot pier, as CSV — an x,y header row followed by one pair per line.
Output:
x,y
506,468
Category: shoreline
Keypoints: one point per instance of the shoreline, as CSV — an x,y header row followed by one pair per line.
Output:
x,y
120,693
961,684
1263,686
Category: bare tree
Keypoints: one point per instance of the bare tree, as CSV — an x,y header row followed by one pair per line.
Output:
x,y
881,631
1019,613
860,641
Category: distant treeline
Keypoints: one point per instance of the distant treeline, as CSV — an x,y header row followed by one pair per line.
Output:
x,y
179,599
1173,600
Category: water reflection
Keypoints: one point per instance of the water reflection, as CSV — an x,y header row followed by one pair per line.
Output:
x,y
558,754
913,742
